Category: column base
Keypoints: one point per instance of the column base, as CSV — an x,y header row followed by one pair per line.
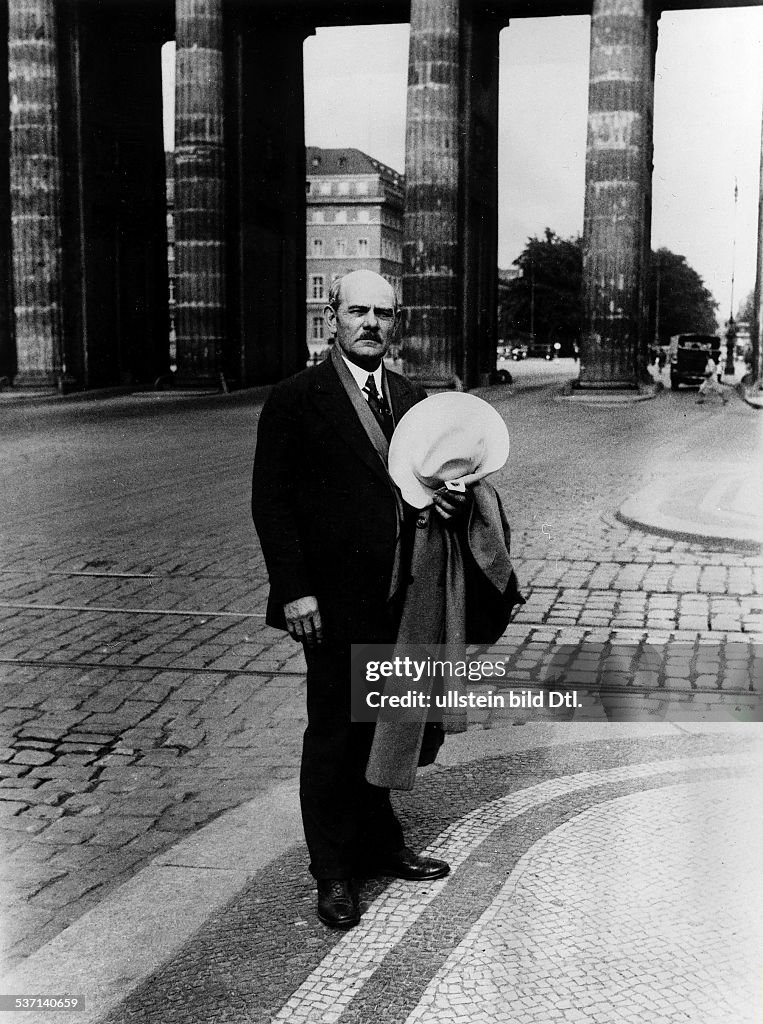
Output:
x,y
609,393
44,381
436,383
605,385
193,382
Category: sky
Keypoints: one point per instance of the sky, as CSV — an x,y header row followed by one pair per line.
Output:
x,y
708,89
707,132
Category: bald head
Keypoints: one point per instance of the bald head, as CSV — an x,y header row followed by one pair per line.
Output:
x,y
360,276
362,314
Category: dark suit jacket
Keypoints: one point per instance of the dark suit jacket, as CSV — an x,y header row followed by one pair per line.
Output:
x,y
323,504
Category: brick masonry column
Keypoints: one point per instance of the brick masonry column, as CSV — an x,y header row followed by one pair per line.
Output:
x,y
199,173
35,185
617,224
431,259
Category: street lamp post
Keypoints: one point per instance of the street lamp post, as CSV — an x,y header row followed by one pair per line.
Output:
x,y
731,334
731,331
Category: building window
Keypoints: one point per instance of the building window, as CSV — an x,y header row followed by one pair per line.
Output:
x,y
317,247
362,247
317,216
361,187
340,247
362,216
341,217
325,188
316,286
317,328
344,188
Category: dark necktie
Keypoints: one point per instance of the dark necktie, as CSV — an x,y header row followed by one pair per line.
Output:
x,y
379,407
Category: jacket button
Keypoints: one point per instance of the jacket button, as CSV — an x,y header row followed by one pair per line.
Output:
x,y
421,522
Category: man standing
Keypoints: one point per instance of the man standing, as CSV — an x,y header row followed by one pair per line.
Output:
x,y
333,531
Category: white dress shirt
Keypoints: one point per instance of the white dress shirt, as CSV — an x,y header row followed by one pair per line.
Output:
x,y
361,376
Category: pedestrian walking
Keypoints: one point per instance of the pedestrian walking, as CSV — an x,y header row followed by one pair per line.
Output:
x,y
711,385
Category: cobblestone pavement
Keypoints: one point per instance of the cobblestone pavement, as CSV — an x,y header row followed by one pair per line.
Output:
x,y
591,883
143,693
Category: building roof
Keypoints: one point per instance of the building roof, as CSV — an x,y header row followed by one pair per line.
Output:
x,y
345,161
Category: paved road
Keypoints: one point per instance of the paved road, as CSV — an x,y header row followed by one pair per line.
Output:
x,y
144,695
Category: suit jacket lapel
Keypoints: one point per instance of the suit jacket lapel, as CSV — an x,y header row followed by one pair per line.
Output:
x,y
334,405
401,398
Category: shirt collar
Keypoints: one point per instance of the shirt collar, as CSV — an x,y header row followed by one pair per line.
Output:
x,y
361,375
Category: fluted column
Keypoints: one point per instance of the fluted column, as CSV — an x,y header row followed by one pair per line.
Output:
x,y
431,270
35,181
618,192
7,339
199,171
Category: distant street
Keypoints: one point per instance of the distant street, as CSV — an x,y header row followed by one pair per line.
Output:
x,y
143,693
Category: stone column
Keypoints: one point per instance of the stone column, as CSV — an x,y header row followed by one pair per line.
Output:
x,y
35,182
617,225
265,194
7,340
431,259
199,173
479,174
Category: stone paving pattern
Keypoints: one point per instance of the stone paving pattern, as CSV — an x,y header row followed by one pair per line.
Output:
x,y
488,819
144,695
600,919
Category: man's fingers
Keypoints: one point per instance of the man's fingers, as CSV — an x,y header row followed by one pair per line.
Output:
x,y
451,504
318,626
303,620
444,507
312,629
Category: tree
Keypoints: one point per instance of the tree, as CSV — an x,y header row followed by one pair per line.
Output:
x,y
547,299
685,304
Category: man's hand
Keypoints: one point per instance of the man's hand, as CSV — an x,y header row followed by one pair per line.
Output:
x,y
303,620
453,505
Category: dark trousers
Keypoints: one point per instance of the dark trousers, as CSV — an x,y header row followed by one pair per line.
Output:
x,y
347,821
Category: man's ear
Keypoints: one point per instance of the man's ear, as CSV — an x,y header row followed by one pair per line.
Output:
x,y
329,315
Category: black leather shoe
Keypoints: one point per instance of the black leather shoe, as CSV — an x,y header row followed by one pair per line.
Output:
x,y
337,903
411,866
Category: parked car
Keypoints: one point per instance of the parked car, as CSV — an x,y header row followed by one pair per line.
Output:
x,y
540,350
519,352
688,354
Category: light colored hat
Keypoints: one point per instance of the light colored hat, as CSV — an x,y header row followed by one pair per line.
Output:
x,y
450,438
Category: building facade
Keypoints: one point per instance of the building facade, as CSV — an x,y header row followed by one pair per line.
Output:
x,y
354,222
